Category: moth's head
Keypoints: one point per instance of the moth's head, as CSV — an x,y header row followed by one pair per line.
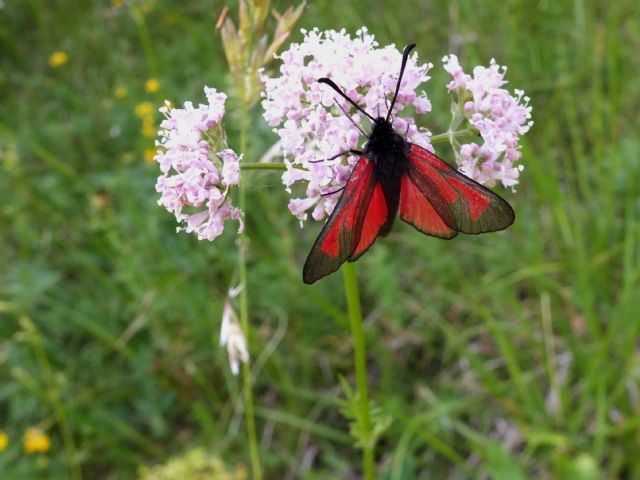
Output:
x,y
382,125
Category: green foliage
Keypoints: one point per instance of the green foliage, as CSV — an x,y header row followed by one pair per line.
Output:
x,y
350,409
510,355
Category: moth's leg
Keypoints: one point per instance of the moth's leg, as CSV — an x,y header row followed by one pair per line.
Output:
x,y
352,151
332,192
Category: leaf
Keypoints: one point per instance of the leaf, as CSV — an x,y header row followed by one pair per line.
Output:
x,y
245,22
232,46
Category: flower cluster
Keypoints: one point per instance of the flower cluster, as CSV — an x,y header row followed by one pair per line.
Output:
x,y
499,117
197,169
315,124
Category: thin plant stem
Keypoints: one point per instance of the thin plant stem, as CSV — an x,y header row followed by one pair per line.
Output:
x,y
247,386
355,318
449,135
262,166
145,39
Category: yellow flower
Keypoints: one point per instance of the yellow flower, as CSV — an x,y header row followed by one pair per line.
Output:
x,y
36,441
148,128
144,109
58,59
117,3
152,85
4,440
120,92
149,153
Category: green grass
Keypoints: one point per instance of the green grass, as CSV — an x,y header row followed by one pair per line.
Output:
x,y
512,355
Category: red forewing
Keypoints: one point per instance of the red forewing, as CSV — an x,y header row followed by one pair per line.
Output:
x,y
353,226
438,200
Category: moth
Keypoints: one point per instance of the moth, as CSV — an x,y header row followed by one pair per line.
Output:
x,y
391,176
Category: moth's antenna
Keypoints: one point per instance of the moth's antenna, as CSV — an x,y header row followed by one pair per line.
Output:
x,y
351,120
342,94
405,57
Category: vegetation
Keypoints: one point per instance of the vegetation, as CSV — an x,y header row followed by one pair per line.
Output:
x,y
511,355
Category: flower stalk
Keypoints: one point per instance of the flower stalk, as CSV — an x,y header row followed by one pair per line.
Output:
x,y
262,166
243,241
449,136
368,438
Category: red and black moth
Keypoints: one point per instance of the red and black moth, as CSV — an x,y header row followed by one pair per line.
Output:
x,y
394,175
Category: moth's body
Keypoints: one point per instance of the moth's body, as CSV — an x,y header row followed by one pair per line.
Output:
x,y
395,176
387,151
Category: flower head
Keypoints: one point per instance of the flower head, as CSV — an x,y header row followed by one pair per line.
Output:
x,y
36,441
58,59
315,124
144,111
197,169
4,440
499,117
232,337
152,85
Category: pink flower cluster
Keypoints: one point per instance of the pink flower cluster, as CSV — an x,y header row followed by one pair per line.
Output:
x,y
197,171
313,122
499,117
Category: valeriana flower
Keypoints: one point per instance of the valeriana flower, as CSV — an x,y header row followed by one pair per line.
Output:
x,y
313,122
498,116
232,337
197,169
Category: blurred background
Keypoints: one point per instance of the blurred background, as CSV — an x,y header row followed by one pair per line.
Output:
x,y
511,355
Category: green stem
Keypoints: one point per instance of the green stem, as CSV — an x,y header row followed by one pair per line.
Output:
x,y
262,166
449,135
145,39
244,313
355,317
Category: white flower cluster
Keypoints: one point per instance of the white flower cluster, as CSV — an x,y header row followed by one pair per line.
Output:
x,y
315,124
194,173
499,117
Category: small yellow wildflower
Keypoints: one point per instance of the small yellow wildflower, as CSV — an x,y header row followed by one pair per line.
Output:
x,y
144,109
120,92
148,128
36,441
117,3
149,153
58,59
152,85
4,440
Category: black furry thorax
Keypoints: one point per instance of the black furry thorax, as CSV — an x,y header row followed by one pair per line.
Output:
x,y
386,148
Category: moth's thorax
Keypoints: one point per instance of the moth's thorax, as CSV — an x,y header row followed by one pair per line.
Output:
x,y
386,148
